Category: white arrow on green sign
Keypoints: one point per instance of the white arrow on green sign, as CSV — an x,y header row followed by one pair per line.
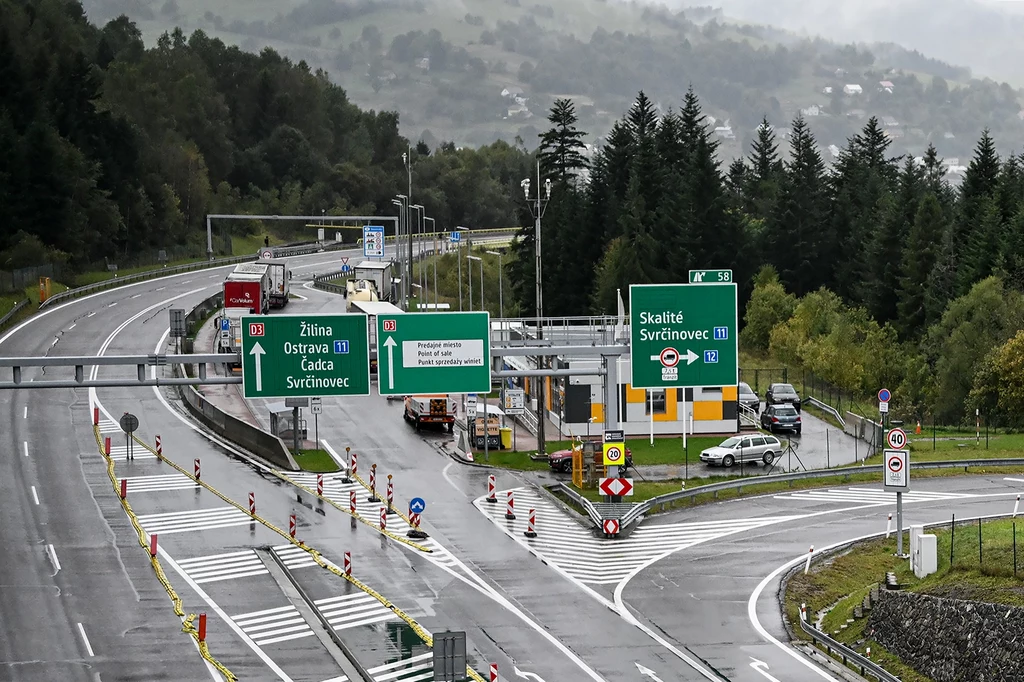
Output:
x,y
434,353
289,356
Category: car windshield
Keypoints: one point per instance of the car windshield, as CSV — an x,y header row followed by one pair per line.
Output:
x,y
746,390
730,442
785,412
784,389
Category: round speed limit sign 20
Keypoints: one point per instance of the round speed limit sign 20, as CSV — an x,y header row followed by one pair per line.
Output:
x,y
613,454
897,439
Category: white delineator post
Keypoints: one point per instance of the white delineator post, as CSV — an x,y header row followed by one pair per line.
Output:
x,y
807,566
888,527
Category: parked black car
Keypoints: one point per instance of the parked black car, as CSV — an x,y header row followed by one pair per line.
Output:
x,y
746,396
779,394
781,418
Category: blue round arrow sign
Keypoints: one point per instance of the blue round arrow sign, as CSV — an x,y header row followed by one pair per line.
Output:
x,y
417,505
884,396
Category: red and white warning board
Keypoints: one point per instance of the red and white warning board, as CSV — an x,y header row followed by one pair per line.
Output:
x,y
617,487
896,474
610,526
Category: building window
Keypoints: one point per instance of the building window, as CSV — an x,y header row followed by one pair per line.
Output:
x,y
656,401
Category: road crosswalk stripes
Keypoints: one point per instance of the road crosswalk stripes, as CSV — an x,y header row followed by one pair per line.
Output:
x,y
294,557
160,483
193,520
598,561
108,426
439,555
271,626
413,669
867,496
218,567
119,453
353,610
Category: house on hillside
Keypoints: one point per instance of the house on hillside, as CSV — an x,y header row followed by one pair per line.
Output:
x,y
518,111
813,110
886,86
856,113
827,90
725,132
890,122
852,89
424,64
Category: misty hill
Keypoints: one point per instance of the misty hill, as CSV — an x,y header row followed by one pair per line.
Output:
x,y
477,70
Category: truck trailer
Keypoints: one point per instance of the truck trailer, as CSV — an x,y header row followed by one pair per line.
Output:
x,y
436,409
280,279
378,272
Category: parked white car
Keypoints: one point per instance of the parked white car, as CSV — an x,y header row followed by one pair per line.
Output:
x,y
748,448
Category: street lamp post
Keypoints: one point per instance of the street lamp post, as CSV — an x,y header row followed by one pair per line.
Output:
x,y
458,258
403,226
419,221
470,278
537,208
501,294
433,231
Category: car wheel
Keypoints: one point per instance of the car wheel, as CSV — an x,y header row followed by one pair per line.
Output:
x,y
728,461
798,432
768,458
566,467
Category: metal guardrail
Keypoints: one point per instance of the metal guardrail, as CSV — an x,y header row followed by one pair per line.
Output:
x,y
669,498
826,408
587,505
13,311
867,666
279,252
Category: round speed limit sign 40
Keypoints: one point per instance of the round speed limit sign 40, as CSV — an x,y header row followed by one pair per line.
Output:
x,y
897,439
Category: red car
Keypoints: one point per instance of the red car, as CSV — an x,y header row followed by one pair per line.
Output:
x,y
562,459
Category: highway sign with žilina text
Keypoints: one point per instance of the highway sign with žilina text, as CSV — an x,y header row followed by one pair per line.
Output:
x,y
683,335
434,353
304,356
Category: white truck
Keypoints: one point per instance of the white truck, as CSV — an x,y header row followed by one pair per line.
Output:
x,y
430,409
378,272
280,281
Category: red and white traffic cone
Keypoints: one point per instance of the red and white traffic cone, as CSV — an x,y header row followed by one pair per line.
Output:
x,y
348,564
373,484
202,627
291,526
319,485
252,503
197,468
124,488
383,518
352,501
95,416
106,446
391,495
510,507
494,672
491,495
159,447
531,525
355,462
414,522
152,545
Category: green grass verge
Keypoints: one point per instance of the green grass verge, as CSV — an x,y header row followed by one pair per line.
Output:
x,y
666,450
317,461
847,578
520,461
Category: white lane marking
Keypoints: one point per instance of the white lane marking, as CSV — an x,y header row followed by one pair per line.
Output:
x,y
158,483
136,296
52,553
25,416
85,639
353,610
762,667
73,325
1015,480
299,296
193,520
160,289
294,557
35,495
220,567
213,277
90,314
187,281
342,464
271,626
111,305
227,619
444,472
25,443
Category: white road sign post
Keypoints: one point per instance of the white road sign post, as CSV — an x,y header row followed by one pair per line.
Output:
x,y
896,477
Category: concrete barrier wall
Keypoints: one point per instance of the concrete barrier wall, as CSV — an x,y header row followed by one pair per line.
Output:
x,y
243,434
865,429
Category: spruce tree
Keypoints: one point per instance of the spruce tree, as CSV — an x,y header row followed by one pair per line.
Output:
x,y
916,265
561,147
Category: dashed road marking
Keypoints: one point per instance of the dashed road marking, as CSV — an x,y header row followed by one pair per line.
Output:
x,y
598,561
193,520
25,443
353,610
416,669
271,626
35,495
159,483
219,567
294,557
85,640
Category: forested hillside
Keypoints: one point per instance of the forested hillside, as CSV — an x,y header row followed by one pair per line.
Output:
x,y
112,150
876,273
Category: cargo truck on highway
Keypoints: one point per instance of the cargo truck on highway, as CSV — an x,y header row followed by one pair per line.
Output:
x,y
245,293
430,409
377,272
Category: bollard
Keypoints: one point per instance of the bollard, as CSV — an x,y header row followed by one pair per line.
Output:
x,y
352,501
373,484
354,466
252,503
888,527
803,612
197,468
494,672
202,627
383,518
95,416
391,495
531,525
491,496
124,488
510,507
319,485
869,652
291,526
159,447
152,545
348,564
810,553
106,446
1016,505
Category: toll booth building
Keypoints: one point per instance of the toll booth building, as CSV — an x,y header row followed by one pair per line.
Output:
x,y
577,402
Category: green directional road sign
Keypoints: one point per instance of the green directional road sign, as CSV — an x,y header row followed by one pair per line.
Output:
x,y
683,335
710,276
434,353
285,356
